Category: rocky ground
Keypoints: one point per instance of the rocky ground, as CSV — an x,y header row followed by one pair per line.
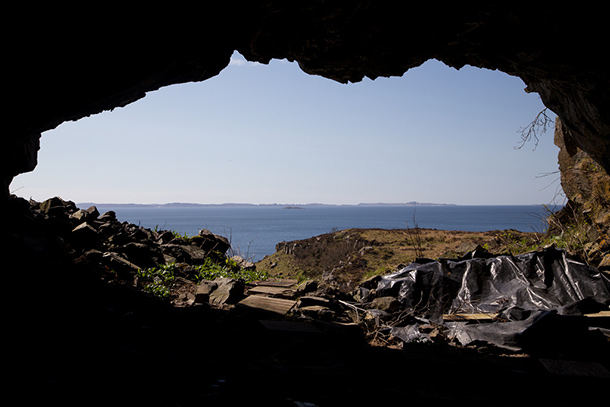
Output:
x,y
81,329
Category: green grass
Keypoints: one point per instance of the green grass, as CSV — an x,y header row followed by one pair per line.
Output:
x,y
160,279
211,270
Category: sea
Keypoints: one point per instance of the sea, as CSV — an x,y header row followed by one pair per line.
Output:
x,y
254,230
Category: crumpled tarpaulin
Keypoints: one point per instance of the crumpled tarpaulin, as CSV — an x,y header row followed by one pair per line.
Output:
x,y
526,291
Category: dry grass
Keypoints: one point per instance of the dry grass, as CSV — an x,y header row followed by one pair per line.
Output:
x,y
349,256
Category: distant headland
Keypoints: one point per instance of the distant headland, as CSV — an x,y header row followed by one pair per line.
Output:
x,y
230,204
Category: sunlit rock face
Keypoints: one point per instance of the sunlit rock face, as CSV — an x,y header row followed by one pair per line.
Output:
x,y
75,68
586,216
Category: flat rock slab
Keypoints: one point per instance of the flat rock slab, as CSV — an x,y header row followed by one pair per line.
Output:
x,y
277,305
469,317
287,283
272,291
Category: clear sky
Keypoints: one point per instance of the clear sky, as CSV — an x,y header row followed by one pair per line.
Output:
x,y
273,134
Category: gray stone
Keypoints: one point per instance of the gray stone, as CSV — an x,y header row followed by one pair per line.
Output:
x,y
243,263
119,264
196,255
93,212
308,286
184,253
80,215
203,291
385,304
85,235
107,216
210,242
163,236
228,291
52,204
142,255
318,312
310,300
85,215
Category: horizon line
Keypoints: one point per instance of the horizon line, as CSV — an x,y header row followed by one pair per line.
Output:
x,y
411,203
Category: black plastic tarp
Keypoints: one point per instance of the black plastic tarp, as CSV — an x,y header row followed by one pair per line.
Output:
x,y
522,290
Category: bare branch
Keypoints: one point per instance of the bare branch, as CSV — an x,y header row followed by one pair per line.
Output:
x,y
536,128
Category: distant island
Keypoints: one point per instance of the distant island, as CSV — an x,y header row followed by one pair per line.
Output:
x,y
230,204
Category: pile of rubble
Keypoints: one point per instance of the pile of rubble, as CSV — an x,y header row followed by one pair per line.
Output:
x,y
56,230
539,302
280,297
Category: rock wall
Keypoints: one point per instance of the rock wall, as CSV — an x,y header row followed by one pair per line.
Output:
x,y
73,66
587,189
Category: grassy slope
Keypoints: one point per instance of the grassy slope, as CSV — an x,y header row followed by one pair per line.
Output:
x,y
349,256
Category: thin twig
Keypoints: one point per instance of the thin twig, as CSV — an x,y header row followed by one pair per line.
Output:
x,y
537,127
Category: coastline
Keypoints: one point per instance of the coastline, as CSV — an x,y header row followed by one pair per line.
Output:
x,y
254,230
301,205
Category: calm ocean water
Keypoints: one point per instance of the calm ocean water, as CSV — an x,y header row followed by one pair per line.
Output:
x,y
255,230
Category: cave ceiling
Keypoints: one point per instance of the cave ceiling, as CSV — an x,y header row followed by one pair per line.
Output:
x,y
75,67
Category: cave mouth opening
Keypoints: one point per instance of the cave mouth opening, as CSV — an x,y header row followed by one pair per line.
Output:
x,y
273,134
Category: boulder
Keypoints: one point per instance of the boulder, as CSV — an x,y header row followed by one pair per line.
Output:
x,y
116,237
142,254
385,304
163,237
196,255
228,291
184,253
307,286
85,235
318,312
138,233
243,263
107,216
85,215
93,256
203,291
114,261
210,242
93,212
56,206
79,216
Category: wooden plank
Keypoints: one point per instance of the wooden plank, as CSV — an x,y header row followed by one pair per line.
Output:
x,y
488,316
601,314
272,291
288,283
468,317
277,305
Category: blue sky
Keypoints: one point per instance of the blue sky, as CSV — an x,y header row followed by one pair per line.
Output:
x,y
273,134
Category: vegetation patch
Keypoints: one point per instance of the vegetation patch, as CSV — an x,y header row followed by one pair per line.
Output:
x,y
160,280
157,280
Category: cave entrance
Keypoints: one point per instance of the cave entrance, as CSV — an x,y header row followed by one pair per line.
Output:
x,y
273,134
